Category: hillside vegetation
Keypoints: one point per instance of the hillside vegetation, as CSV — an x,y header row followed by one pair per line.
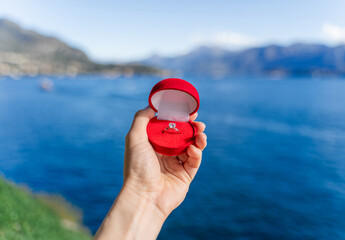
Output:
x,y
24,216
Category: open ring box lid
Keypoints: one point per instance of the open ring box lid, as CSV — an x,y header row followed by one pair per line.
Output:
x,y
174,100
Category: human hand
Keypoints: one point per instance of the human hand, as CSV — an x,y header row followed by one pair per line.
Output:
x,y
154,184
163,180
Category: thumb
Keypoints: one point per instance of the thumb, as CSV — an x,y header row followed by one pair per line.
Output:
x,y
141,119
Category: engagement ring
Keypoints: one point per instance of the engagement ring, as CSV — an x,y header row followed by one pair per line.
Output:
x,y
172,128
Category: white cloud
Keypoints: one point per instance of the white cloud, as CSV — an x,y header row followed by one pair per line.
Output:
x,y
224,39
333,32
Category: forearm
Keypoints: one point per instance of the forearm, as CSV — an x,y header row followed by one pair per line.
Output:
x,y
131,217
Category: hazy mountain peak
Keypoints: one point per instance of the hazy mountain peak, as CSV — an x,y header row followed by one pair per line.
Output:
x,y
27,52
295,59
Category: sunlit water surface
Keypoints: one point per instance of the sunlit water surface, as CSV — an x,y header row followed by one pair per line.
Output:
x,y
274,167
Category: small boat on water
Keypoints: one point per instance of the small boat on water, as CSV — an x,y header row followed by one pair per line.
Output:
x,y
46,85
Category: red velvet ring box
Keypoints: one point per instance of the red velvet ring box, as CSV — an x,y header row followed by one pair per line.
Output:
x,y
171,131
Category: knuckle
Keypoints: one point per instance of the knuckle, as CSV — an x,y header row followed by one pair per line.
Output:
x,y
132,137
199,152
138,113
129,137
203,137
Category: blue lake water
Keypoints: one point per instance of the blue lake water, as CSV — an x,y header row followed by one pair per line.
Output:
x,y
274,167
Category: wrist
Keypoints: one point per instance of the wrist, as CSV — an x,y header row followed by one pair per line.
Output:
x,y
144,201
138,216
144,216
145,191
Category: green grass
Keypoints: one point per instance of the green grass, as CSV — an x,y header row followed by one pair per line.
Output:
x,y
24,215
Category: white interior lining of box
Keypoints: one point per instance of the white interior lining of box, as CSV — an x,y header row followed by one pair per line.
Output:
x,y
173,105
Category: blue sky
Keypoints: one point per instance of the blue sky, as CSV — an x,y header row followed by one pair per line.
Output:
x,y
129,30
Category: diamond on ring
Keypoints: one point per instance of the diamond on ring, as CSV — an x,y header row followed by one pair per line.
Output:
x,y
171,129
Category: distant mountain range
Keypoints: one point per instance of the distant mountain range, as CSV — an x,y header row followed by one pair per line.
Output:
x,y
27,52
274,60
